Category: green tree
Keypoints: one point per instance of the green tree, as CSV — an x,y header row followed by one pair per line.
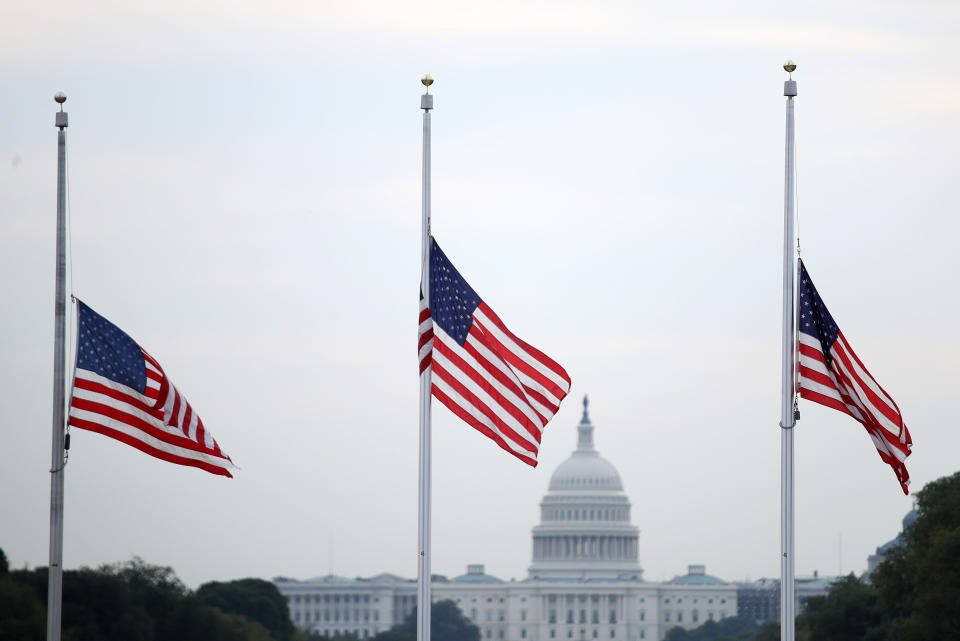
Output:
x,y
914,593
769,632
136,601
22,615
919,583
447,623
848,612
255,599
728,629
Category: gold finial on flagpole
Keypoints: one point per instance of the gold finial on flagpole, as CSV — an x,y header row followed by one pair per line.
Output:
x,y
790,66
426,81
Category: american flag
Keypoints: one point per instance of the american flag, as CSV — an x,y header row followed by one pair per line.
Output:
x,y
498,384
832,375
119,390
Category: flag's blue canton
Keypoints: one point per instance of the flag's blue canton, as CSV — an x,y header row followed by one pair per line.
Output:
x,y
815,319
104,348
452,300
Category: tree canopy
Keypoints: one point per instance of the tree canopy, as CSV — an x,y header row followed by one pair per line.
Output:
x,y
255,599
919,582
913,594
447,623
728,629
135,601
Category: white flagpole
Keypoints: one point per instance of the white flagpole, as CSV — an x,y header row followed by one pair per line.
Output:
x,y
787,416
55,570
423,568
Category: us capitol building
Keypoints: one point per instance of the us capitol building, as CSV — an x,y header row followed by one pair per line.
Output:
x,y
584,583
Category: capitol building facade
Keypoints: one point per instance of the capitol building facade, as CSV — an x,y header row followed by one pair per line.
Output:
x,y
584,581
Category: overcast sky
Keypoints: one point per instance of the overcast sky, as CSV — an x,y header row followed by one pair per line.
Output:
x,y
245,203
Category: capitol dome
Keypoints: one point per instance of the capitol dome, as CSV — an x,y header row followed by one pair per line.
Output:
x,y
585,531
585,469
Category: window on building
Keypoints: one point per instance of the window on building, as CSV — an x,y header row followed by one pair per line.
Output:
x,y
680,616
523,615
553,633
569,634
613,633
500,615
643,615
666,615
489,633
695,615
553,615
473,613
523,633
595,617
709,616
583,616
643,634
501,633
594,633
613,616
569,616
489,615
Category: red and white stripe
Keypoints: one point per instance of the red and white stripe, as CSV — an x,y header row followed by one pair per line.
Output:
x,y
497,383
425,335
847,386
159,422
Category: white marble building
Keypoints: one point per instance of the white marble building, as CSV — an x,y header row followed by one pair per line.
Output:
x,y
584,582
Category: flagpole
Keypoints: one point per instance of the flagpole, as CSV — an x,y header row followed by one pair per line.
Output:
x,y
55,570
787,416
423,568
